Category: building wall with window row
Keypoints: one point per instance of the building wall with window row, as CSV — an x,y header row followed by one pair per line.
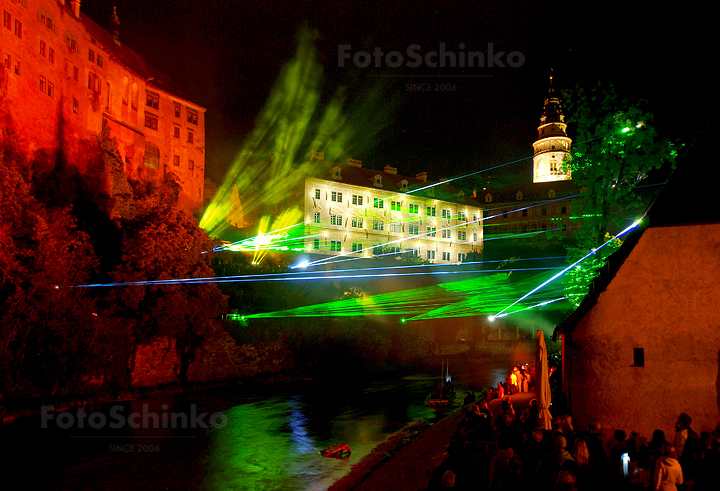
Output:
x,y
358,212
64,78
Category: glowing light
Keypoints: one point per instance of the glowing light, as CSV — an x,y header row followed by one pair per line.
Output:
x,y
589,254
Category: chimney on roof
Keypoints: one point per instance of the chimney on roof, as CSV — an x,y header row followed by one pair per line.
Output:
x,y
115,21
354,162
421,177
75,6
389,170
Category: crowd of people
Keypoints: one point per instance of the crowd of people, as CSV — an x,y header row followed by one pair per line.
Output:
x,y
511,451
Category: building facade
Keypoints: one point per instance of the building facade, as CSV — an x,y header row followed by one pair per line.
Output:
x,y
349,210
65,78
646,347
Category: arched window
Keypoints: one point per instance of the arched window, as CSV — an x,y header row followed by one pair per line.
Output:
x,y
125,90
152,155
134,100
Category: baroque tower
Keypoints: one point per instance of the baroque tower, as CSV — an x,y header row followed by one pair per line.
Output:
x,y
552,146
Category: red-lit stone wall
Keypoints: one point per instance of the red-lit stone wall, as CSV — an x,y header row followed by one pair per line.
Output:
x,y
665,299
63,77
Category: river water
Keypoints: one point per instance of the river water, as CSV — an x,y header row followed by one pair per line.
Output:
x,y
253,439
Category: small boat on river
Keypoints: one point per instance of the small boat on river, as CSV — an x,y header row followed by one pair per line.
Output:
x,y
340,450
442,395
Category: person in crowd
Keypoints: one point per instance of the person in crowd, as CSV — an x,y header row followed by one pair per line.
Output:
x,y
552,463
507,410
525,377
504,466
668,473
682,432
500,390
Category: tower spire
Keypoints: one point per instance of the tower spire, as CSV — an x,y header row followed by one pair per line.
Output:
x,y
552,147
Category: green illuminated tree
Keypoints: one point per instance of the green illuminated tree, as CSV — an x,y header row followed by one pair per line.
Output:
x,y
616,149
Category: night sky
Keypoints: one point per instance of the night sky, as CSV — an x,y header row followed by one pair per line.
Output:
x,y
227,54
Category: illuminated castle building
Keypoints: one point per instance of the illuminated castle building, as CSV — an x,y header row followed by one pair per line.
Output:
x,y
350,210
552,148
65,78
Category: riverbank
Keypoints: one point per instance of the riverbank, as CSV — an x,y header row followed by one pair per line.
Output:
x,y
413,461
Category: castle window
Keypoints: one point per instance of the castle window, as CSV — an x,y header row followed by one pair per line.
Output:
x,y
42,48
446,256
151,121
316,218
71,41
357,247
191,164
430,255
42,84
176,131
93,82
317,194
316,244
413,208
91,55
377,203
75,106
192,117
18,28
191,137
7,61
357,200
430,211
7,20
177,110
17,67
51,55
176,160
638,357
51,90
152,156
152,100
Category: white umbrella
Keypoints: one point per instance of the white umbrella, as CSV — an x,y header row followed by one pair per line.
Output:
x,y
542,382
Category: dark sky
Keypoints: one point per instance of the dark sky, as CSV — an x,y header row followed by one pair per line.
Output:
x,y
228,53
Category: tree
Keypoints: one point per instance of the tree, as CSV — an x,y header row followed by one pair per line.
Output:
x,y
46,324
160,242
616,149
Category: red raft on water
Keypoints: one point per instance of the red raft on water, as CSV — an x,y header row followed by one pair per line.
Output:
x,y
340,450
